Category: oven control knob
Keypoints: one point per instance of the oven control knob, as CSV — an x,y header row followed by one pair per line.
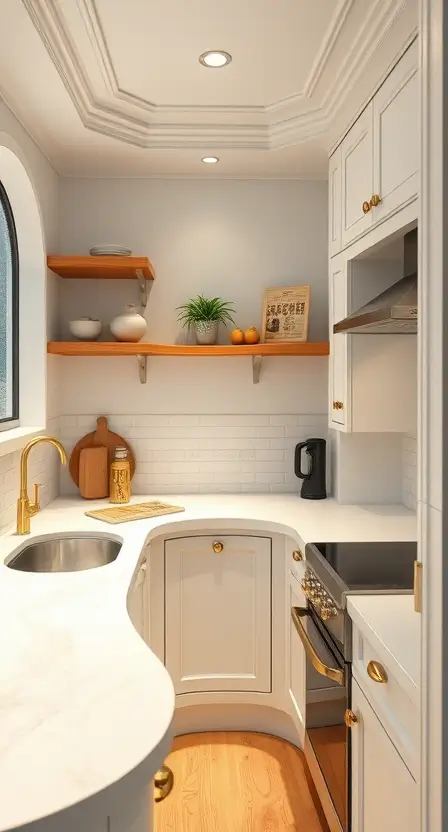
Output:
x,y
328,610
319,597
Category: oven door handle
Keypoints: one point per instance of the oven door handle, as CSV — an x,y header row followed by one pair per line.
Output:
x,y
333,673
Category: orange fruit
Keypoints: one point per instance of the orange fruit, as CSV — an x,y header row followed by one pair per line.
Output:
x,y
237,336
251,335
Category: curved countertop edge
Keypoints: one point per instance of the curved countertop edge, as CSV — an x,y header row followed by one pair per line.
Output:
x,y
68,639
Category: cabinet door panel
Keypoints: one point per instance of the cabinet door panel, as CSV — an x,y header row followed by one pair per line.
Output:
x,y
297,661
218,614
357,176
384,793
335,203
338,344
396,137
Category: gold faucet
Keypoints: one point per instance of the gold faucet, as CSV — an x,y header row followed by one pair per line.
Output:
x,y
25,509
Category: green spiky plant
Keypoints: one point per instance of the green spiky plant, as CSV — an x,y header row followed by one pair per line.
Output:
x,y
205,309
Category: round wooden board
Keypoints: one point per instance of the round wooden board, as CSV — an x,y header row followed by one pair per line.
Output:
x,y
101,436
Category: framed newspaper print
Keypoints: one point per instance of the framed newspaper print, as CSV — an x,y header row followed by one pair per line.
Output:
x,y
285,313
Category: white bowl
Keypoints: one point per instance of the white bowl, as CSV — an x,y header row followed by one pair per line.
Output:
x,y
86,329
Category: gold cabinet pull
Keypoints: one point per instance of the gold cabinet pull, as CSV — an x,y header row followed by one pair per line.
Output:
x,y
377,672
350,718
366,206
418,589
218,546
338,405
375,201
297,555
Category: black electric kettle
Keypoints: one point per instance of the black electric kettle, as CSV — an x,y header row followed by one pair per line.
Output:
x,y
314,485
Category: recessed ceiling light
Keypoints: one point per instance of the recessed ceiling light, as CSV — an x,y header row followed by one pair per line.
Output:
x,y
209,160
215,58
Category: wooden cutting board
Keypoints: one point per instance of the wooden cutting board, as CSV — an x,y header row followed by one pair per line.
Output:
x,y
101,436
93,473
139,511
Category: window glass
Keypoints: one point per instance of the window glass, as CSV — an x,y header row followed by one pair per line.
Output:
x,y
9,274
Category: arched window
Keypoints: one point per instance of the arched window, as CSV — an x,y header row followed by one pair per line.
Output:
x,y
9,314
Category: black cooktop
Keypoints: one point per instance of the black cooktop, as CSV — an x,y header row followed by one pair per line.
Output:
x,y
371,566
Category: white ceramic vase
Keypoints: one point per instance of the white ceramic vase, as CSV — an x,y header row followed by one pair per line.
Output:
x,y
129,326
206,332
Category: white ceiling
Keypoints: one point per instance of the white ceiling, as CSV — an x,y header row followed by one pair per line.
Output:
x,y
114,88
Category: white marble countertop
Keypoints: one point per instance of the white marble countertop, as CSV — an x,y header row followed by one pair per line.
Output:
x,y
392,627
83,701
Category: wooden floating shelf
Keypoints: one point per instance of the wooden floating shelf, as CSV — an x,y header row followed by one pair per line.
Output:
x,y
101,268
103,348
143,349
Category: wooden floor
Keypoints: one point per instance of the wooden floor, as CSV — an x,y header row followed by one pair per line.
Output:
x,y
238,782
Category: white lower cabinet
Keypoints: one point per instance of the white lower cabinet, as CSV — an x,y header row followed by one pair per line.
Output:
x,y
137,602
297,662
384,793
218,613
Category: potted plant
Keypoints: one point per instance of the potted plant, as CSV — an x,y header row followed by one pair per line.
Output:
x,y
204,315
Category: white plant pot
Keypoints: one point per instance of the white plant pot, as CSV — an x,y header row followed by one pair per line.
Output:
x,y
129,326
206,332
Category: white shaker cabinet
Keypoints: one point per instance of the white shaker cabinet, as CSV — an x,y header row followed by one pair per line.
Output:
x,y
335,203
357,177
137,607
384,794
396,137
218,613
374,172
297,662
339,343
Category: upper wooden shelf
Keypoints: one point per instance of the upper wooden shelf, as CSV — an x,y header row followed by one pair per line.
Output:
x,y
142,349
104,348
103,268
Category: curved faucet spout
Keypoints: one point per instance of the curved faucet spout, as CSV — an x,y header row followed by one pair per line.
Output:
x,y
25,509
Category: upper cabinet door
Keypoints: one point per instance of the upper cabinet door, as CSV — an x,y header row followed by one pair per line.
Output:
x,y
334,212
338,369
396,137
357,177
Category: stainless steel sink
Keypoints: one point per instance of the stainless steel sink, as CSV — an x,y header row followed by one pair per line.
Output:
x,y
66,554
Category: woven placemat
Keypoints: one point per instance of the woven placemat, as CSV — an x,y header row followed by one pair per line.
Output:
x,y
139,511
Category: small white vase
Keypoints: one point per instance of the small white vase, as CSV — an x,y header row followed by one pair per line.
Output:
x,y
206,332
129,326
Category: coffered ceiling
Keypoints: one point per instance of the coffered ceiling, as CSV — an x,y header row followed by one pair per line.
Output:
x,y
115,88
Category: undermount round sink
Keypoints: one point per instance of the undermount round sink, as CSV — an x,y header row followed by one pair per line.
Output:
x,y
65,554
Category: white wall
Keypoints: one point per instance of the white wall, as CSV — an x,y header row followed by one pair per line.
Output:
x,y
43,461
232,239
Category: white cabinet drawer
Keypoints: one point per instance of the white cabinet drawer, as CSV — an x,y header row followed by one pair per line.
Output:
x,y
397,712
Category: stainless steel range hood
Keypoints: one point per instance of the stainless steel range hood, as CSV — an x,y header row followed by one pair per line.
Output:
x,y
394,311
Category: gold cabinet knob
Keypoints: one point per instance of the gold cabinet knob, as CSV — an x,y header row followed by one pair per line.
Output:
x,y
218,546
366,207
297,555
350,718
377,672
375,201
338,405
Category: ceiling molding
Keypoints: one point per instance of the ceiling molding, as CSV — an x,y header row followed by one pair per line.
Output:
x,y
103,106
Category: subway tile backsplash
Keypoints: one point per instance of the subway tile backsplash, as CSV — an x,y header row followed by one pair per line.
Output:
x,y
409,471
200,453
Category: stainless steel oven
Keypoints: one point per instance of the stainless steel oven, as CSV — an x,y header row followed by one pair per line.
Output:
x,y
327,746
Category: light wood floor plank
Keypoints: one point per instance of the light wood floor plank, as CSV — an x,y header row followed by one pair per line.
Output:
x,y
238,782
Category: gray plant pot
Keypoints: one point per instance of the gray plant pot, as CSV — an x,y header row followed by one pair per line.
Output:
x,y
206,332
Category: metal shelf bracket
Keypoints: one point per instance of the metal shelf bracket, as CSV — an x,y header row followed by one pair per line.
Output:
x,y
142,367
142,285
256,367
